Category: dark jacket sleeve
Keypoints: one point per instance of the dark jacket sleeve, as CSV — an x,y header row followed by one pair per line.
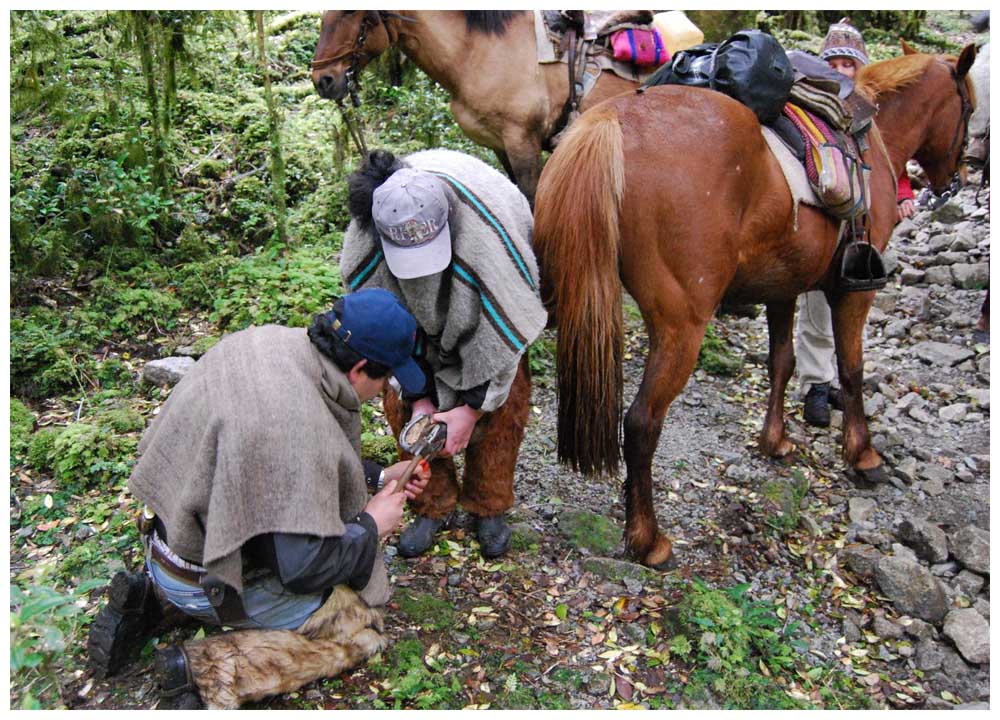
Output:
x,y
306,564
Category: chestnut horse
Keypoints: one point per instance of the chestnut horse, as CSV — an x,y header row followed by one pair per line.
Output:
x,y
674,193
501,96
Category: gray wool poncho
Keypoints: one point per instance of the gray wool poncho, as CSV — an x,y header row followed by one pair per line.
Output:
x,y
263,435
481,313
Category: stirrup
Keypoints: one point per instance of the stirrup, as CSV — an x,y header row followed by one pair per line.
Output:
x,y
862,268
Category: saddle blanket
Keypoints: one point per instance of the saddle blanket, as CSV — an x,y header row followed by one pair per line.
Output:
x,y
794,172
598,58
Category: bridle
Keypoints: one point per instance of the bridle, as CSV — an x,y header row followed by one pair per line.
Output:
x,y
355,53
937,199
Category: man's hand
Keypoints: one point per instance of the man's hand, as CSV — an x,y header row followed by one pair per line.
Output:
x,y
423,406
386,509
417,482
460,421
905,209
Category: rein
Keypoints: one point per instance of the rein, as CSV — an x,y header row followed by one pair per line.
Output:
x,y
355,54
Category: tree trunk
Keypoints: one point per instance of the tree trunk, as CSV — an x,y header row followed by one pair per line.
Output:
x,y
140,20
274,130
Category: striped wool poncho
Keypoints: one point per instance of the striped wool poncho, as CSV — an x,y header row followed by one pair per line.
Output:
x,y
480,313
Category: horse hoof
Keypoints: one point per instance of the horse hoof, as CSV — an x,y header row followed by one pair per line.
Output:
x,y
870,477
661,557
785,448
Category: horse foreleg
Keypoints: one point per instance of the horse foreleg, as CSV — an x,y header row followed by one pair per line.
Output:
x,y
850,311
780,366
505,162
672,357
524,154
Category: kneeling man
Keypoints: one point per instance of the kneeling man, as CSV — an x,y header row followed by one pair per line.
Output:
x,y
257,510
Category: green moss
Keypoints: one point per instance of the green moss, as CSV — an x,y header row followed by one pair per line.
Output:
x,y
22,422
378,448
88,455
121,419
716,357
428,611
786,494
585,529
41,452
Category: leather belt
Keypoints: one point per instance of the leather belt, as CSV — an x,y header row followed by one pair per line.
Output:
x,y
174,564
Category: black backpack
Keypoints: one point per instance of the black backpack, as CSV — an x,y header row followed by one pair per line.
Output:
x,y
751,67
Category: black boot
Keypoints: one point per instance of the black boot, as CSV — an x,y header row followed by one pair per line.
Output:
x,y
494,536
817,405
419,536
173,675
120,629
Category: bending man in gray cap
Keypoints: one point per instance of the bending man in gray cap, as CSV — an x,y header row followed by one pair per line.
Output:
x,y
452,238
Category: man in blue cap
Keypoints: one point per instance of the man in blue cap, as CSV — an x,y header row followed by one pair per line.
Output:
x,y
257,511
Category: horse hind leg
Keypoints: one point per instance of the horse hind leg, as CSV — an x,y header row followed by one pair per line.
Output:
x,y
672,357
850,312
780,366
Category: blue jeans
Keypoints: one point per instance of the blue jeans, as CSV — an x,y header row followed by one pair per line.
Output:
x,y
267,604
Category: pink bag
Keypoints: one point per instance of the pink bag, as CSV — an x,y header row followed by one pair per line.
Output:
x,y
640,47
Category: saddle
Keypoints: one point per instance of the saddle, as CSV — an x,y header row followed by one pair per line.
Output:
x,y
825,124
587,42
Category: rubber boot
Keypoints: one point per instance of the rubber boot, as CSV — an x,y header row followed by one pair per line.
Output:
x,y
121,628
419,536
817,405
493,534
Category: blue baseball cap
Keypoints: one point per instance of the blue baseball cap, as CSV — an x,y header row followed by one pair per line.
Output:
x,y
375,325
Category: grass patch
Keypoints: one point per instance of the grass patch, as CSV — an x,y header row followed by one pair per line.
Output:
x,y
738,647
786,494
412,682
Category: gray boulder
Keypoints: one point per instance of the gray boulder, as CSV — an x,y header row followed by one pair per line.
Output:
x,y
971,276
928,656
938,353
911,276
928,540
938,275
970,633
971,546
861,558
860,509
912,588
167,371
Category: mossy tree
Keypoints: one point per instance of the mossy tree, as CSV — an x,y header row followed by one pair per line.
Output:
x,y
274,132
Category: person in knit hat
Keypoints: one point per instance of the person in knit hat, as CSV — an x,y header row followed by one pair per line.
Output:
x,y
815,356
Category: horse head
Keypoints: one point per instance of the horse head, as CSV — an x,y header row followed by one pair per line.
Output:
x,y
941,154
930,99
348,41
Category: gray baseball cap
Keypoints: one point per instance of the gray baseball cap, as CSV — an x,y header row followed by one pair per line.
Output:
x,y
410,210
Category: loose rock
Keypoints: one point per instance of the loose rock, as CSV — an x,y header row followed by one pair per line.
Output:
x,y
938,353
928,540
971,546
167,371
912,588
860,509
970,633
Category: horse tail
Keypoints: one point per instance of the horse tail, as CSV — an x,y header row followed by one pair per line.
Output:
x,y
578,241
